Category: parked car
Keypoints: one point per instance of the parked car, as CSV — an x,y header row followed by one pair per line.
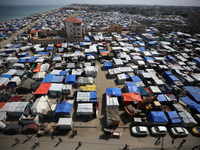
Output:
x,y
12,129
159,130
179,131
30,128
140,130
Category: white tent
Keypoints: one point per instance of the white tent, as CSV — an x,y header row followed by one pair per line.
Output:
x,y
40,105
113,72
91,71
18,66
65,123
55,89
15,80
4,82
112,102
39,75
83,96
84,109
19,109
121,78
3,116
44,67
67,88
85,80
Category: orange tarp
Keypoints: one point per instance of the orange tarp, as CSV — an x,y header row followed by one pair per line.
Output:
x,y
2,104
147,89
103,42
132,97
37,68
59,45
104,53
43,88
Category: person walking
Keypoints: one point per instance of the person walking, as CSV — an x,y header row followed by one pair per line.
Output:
x,y
36,143
126,147
17,140
60,140
181,144
79,144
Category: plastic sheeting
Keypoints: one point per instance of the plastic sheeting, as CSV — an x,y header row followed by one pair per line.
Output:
x,y
112,102
84,109
44,67
43,88
63,108
161,98
174,117
70,79
143,92
131,97
187,119
58,79
85,80
40,105
131,87
48,78
158,116
113,91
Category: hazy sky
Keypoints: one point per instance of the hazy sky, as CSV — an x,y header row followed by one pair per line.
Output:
x,y
67,2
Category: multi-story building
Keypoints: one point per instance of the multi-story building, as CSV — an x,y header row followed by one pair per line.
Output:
x,y
73,28
116,28
139,28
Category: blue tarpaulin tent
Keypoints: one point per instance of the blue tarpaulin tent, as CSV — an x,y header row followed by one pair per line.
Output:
x,y
161,98
149,58
174,117
192,104
48,78
192,89
6,76
49,48
57,79
142,49
63,73
164,89
143,91
93,96
113,91
172,78
63,108
167,73
108,65
70,79
196,97
22,61
158,116
136,79
132,87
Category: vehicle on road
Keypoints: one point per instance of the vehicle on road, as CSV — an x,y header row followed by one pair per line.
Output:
x,y
159,130
30,128
12,129
179,131
140,130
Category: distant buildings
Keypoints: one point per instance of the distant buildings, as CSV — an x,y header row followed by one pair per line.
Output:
x,y
139,28
194,21
116,28
73,28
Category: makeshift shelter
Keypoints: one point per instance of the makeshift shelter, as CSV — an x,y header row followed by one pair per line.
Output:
x,y
187,119
25,86
64,109
55,89
91,71
4,82
129,98
70,79
57,79
162,98
121,78
65,123
37,68
158,117
131,87
85,80
67,88
19,109
48,78
3,116
192,104
88,88
39,75
15,81
174,117
85,109
112,102
43,88
108,65
20,73
40,105
15,98
44,67
113,91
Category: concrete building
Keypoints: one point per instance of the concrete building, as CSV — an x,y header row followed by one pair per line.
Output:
x,y
194,21
73,28
116,28
139,28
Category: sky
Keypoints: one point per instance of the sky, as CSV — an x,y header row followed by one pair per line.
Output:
x,y
67,2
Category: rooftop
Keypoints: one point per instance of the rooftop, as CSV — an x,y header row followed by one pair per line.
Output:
x,y
73,20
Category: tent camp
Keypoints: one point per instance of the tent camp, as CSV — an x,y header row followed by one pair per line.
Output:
x,y
158,117
15,81
112,102
43,88
85,109
64,109
113,91
25,86
129,98
40,105
174,117
55,89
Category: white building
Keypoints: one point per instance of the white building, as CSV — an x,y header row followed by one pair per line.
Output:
x,y
73,28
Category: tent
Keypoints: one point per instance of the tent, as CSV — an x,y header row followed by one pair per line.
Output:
x,y
55,89
113,91
19,109
40,105
131,87
65,123
112,102
128,98
25,86
85,109
91,71
57,79
158,117
192,104
143,92
39,75
44,67
64,109
70,79
15,81
37,68
85,80
3,116
48,78
108,65
161,98
173,117
4,82
88,88
67,88
43,88
187,119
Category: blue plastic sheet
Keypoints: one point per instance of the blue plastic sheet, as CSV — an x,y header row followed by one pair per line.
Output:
x,y
63,107
158,116
113,91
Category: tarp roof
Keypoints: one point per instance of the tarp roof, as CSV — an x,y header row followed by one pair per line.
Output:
x,y
48,78
43,88
174,117
131,97
132,87
113,91
63,107
158,116
71,79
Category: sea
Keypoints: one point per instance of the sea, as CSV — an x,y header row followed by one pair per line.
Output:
x,y
10,12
